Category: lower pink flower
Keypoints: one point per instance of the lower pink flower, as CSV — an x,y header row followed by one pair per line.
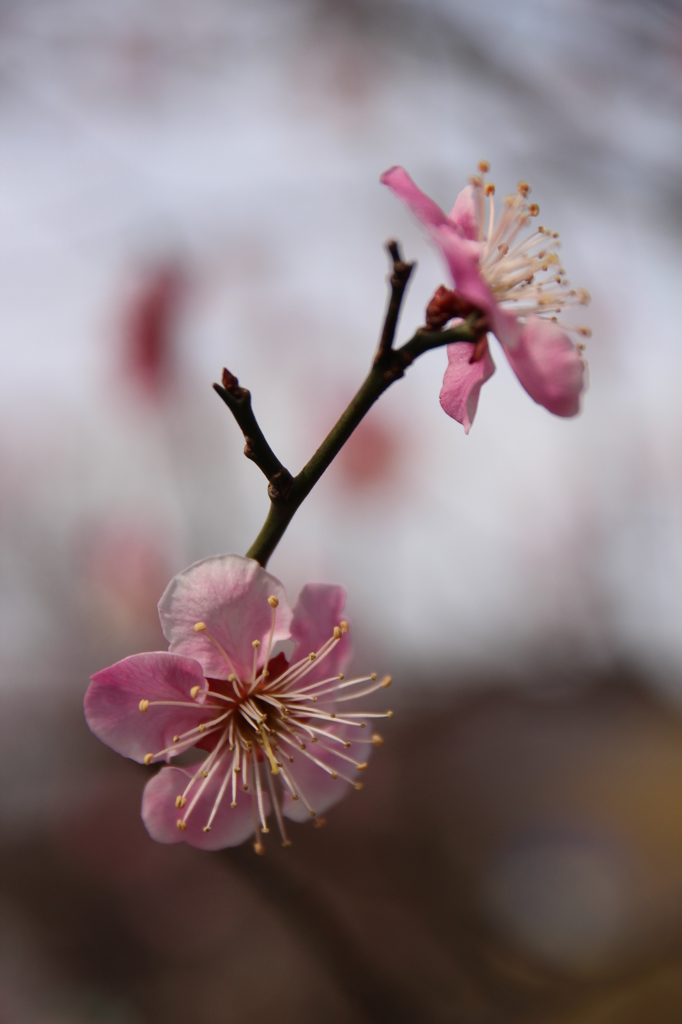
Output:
x,y
275,732
518,284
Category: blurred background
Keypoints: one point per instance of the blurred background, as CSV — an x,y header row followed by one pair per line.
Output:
x,y
187,186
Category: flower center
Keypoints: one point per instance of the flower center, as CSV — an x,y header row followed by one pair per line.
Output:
x,y
271,720
524,271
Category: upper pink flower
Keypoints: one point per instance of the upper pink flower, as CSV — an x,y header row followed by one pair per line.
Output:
x,y
219,689
518,285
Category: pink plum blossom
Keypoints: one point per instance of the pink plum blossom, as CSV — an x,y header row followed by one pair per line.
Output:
x,y
275,732
516,282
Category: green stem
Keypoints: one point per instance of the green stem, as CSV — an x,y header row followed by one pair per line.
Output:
x,y
389,366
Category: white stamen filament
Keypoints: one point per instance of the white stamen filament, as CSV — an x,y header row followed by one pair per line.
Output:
x,y
219,647
259,792
511,266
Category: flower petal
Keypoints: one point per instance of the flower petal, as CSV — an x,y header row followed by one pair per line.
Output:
x,y
462,257
112,702
463,381
549,366
424,208
230,595
463,214
319,608
320,790
230,827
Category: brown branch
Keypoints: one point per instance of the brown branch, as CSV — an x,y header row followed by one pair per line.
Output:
x,y
238,401
399,278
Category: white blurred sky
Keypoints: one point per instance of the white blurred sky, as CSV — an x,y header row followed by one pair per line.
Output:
x,y
248,140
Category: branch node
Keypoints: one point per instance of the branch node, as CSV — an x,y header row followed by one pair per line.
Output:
x,y
280,486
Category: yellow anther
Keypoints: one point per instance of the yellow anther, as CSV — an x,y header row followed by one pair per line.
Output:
x,y
584,296
373,676
335,775
363,725
483,166
320,823
180,801
175,739
476,181
347,745
332,715
314,700
312,656
194,691
272,601
232,678
503,248
265,673
286,842
265,830
533,209
389,714
199,627
144,704
207,828
377,739
255,643
386,681
204,774
341,675
233,804
344,626
361,767
523,188
148,758
182,825
581,346
259,849
585,331
489,189
358,786
313,814
337,632
202,727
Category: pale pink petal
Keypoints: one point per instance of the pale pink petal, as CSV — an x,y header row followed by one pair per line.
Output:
x,y
424,208
462,257
463,215
549,366
230,827
463,381
506,327
319,608
318,787
230,595
112,702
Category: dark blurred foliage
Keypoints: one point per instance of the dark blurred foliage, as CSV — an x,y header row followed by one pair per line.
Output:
x,y
514,857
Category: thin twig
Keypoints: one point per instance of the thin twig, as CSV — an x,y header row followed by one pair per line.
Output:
x,y
238,401
287,492
399,278
377,381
